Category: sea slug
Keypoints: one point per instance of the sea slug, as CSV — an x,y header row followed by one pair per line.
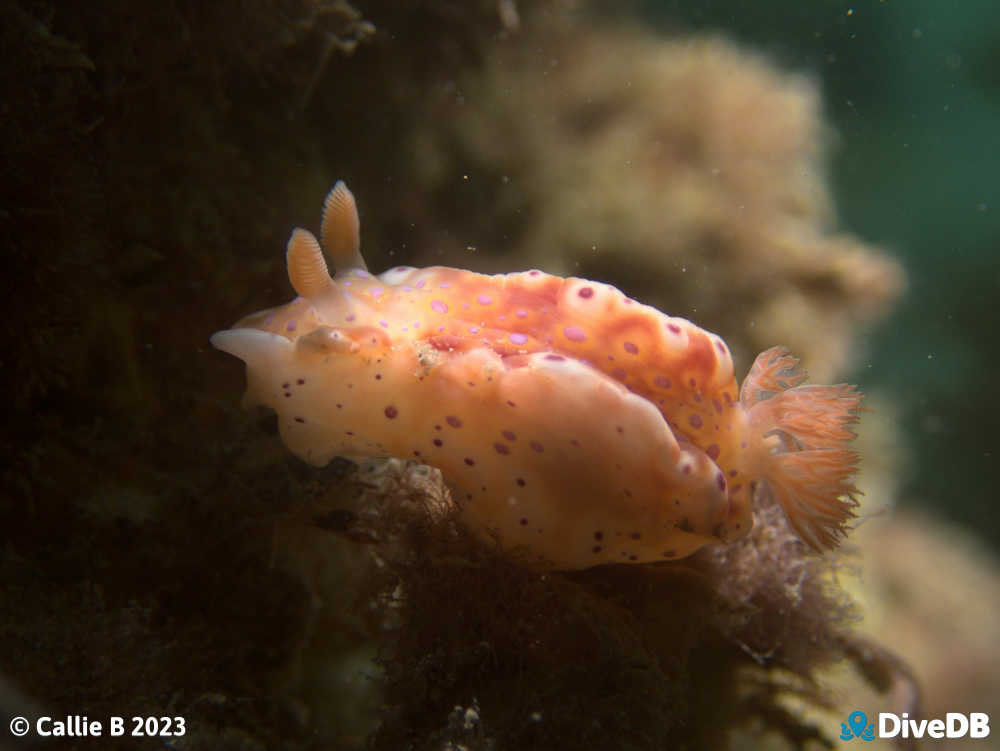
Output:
x,y
570,421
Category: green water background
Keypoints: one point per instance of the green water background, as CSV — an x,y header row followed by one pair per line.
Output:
x,y
913,90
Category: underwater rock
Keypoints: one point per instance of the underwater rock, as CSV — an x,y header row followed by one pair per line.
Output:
x,y
691,652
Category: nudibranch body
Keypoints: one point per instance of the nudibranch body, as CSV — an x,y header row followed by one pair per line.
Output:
x,y
569,421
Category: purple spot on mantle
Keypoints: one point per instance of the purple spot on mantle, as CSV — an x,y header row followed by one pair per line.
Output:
x,y
290,326
518,339
720,481
419,284
502,448
586,292
696,421
575,333
438,306
521,314
391,412
453,421
484,299
376,292
555,358
713,451
661,382
631,348
674,328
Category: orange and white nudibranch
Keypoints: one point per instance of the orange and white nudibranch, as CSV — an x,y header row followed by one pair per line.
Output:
x,y
569,420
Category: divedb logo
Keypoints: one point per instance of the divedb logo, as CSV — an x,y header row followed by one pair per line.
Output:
x,y
954,725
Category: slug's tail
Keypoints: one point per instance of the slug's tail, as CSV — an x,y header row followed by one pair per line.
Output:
x,y
799,440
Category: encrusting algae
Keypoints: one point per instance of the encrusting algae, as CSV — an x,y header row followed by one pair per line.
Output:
x,y
572,423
